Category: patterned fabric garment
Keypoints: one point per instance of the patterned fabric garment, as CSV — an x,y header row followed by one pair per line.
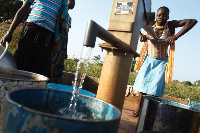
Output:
x,y
44,13
57,62
151,75
158,49
145,47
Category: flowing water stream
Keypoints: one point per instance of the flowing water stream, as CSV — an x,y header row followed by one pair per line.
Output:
x,y
70,110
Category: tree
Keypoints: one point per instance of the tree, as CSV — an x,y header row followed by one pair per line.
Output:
x,y
197,83
97,60
9,8
187,83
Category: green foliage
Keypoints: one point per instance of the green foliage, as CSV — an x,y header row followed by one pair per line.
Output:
x,y
187,83
16,34
94,70
197,83
132,78
181,90
70,65
9,8
96,60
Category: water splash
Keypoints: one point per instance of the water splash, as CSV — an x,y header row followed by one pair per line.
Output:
x,y
80,74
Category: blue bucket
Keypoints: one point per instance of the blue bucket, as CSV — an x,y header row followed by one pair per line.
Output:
x,y
69,88
34,110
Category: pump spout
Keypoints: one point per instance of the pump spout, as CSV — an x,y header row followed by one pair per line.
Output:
x,y
94,30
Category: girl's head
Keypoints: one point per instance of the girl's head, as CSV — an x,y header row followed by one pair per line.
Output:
x,y
162,15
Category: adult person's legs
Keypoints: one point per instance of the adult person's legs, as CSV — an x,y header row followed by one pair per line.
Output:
x,y
34,49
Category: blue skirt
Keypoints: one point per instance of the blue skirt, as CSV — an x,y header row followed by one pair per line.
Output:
x,y
151,77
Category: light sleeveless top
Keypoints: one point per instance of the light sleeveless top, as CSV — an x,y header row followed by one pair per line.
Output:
x,y
44,13
158,49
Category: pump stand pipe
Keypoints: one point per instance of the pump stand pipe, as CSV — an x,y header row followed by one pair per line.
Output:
x,y
94,30
117,62
116,66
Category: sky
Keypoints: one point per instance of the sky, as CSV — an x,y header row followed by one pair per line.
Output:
x,y
186,60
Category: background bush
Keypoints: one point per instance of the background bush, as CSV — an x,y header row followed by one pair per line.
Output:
x,y
4,26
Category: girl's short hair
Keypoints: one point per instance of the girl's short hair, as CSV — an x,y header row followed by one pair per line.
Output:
x,y
164,7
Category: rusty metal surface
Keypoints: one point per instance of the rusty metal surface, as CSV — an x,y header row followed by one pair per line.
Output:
x,y
12,79
34,110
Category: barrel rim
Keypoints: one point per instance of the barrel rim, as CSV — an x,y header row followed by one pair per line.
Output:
x,y
156,99
61,86
58,116
38,77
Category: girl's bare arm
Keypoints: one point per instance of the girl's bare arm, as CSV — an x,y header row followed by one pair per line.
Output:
x,y
187,24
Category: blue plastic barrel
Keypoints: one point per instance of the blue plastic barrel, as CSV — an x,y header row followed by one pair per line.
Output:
x,y
69,88
34,110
